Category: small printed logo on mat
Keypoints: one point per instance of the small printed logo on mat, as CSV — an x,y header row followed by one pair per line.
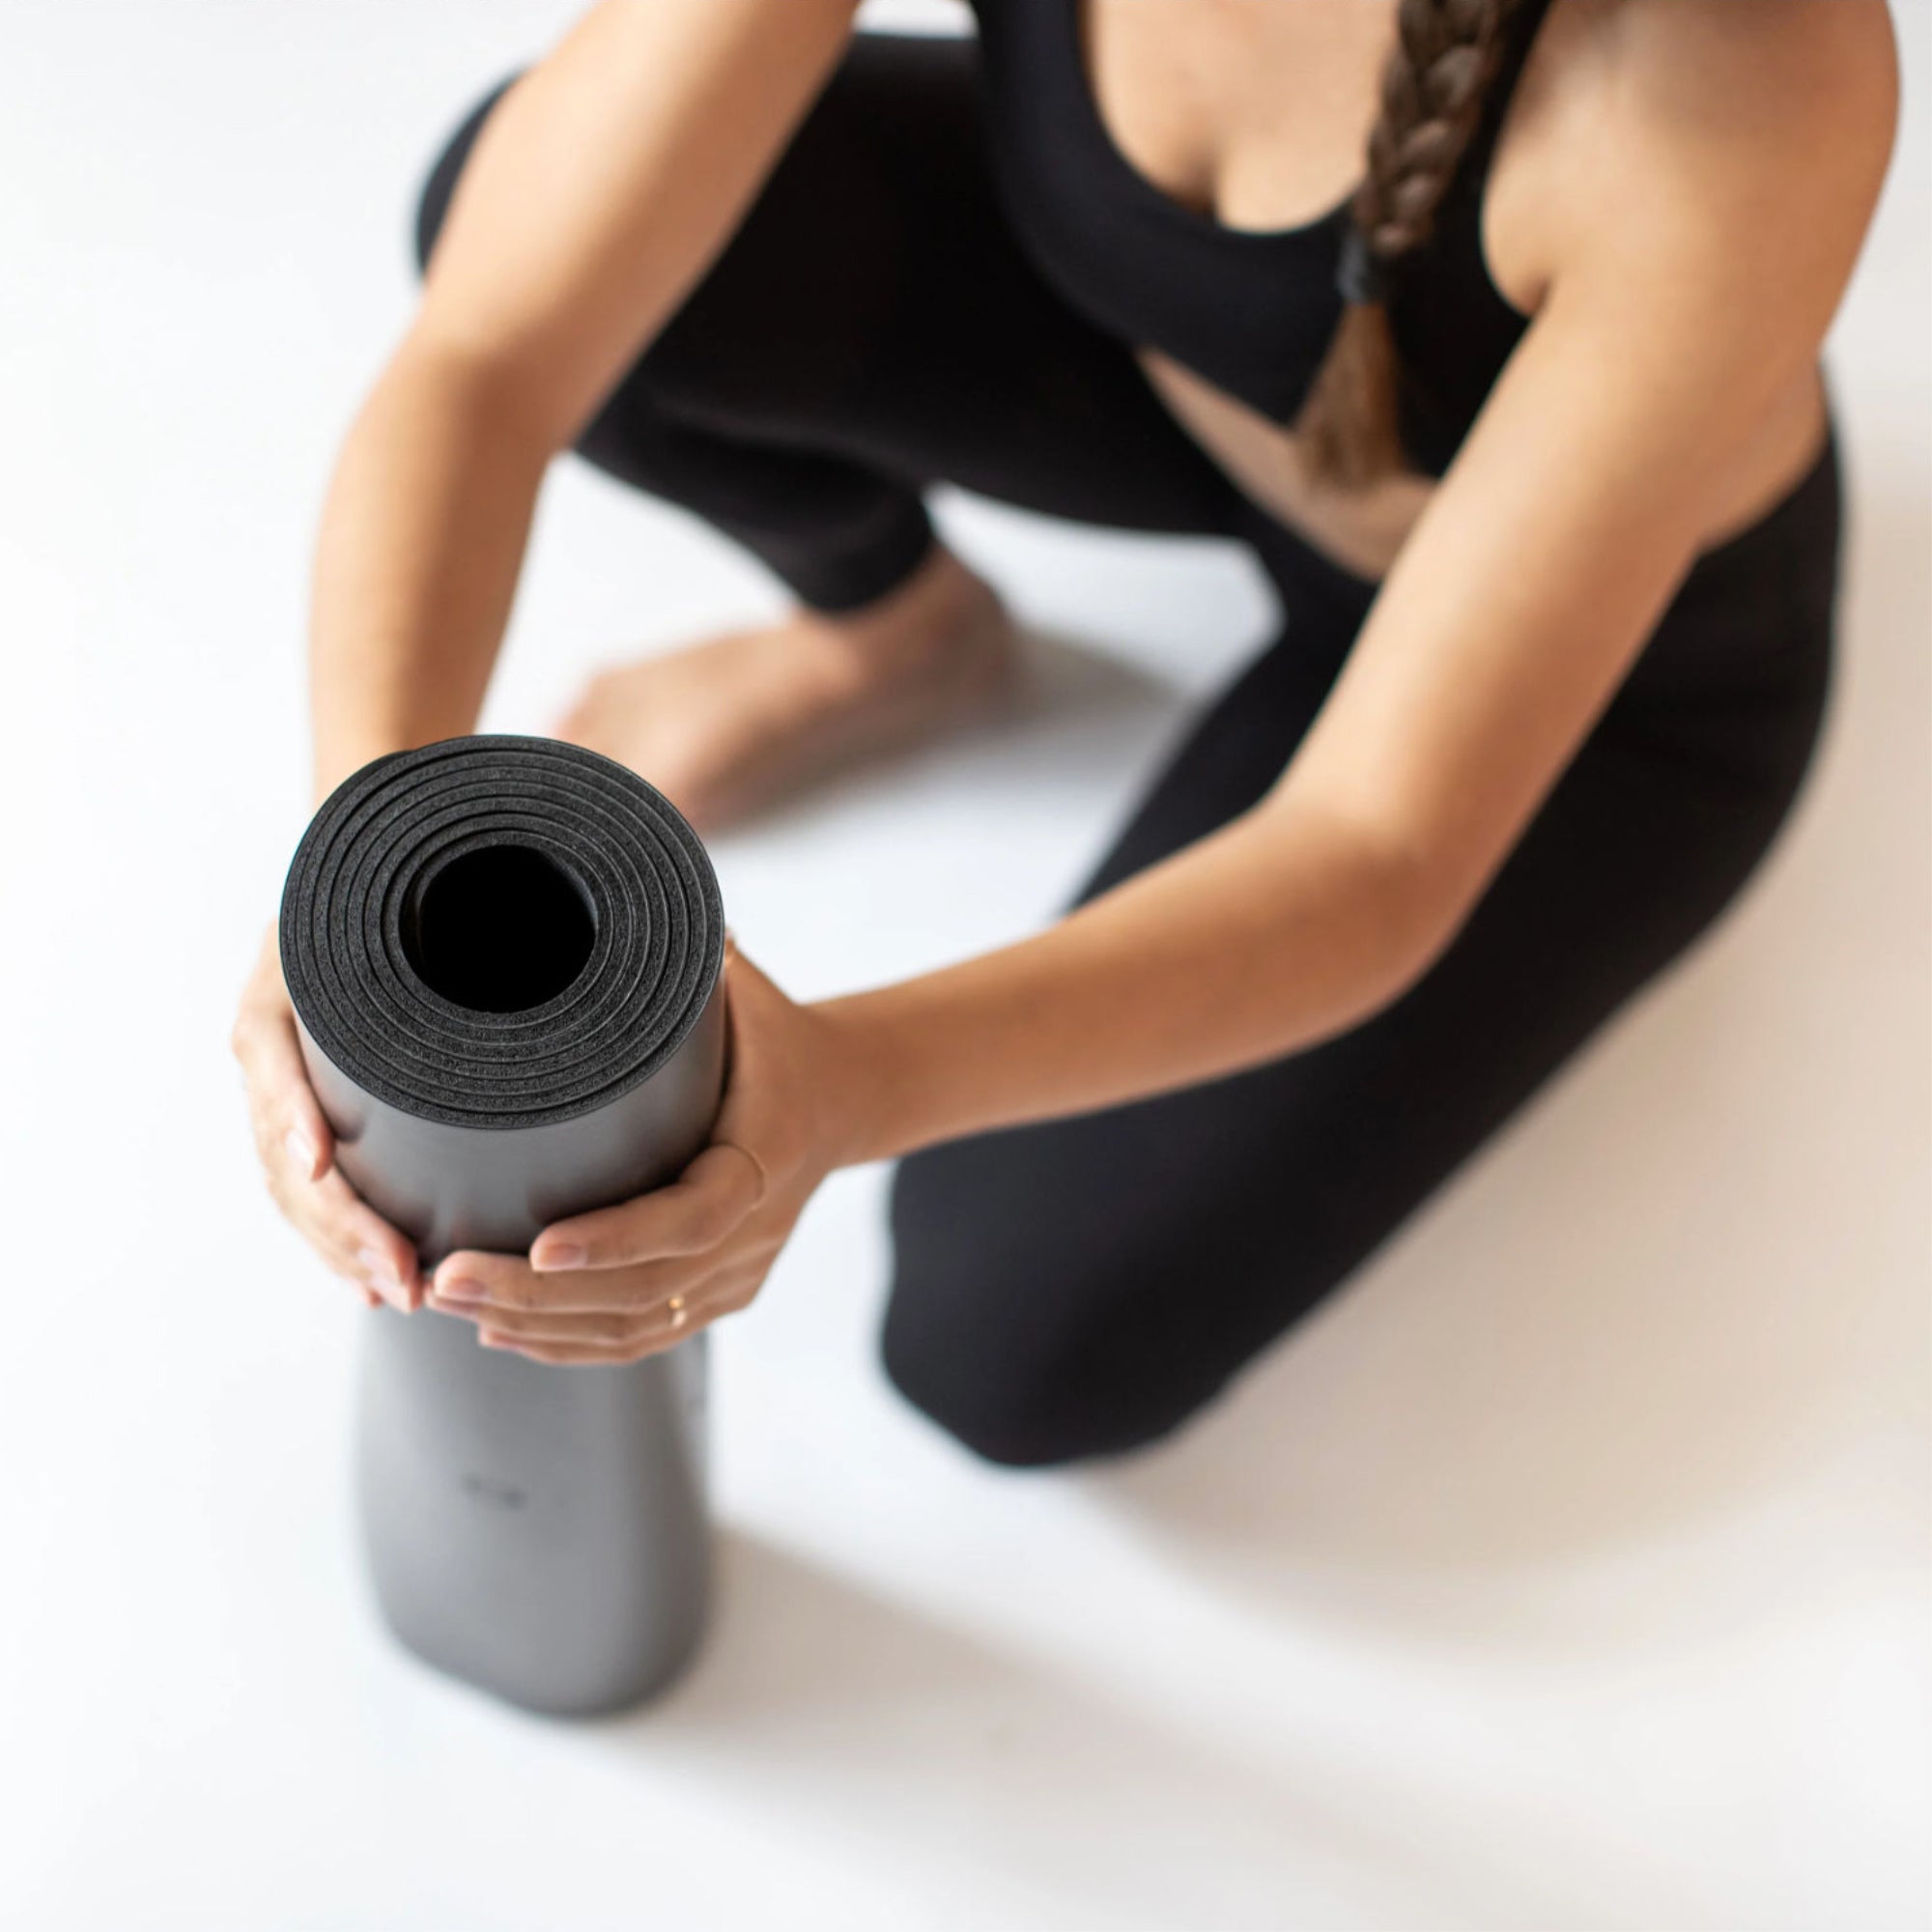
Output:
x,y
489,1490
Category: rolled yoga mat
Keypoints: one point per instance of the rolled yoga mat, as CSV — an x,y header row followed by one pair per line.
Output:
x,y
505,955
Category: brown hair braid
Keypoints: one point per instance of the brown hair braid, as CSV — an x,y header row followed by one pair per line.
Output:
x,y
1434,86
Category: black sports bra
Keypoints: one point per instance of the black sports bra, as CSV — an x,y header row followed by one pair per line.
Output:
x,y
1250,310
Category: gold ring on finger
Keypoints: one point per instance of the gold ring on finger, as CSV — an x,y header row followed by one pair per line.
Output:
x,y
678,1316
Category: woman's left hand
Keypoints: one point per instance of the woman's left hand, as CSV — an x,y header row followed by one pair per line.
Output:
x,y
632,1280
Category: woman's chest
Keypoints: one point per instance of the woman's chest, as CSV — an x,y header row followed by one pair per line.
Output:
x,y
1183,172
1254,114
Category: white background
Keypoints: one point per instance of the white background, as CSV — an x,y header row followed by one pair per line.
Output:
x,y
1571,1570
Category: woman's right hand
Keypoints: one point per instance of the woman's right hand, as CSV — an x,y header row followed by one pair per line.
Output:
x,y
298,1150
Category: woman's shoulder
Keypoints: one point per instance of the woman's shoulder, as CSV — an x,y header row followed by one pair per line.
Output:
x,y
1699,69
1685,131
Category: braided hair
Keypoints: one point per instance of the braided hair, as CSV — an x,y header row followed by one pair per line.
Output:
x,y
1434,86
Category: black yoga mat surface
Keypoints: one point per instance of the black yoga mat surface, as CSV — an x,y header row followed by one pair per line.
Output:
x,y
500,950
504,956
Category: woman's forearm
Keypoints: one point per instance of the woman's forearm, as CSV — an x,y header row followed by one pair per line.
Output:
x,y
604,183
1274,932
422,542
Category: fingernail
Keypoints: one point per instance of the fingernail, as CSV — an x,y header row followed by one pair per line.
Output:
x,y
301,1150
559,1255
488,1338
465,1294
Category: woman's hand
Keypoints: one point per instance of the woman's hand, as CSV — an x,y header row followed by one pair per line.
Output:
x,y
632,1280
298,1150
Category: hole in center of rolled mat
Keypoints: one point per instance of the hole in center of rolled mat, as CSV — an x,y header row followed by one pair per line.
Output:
x,y
499,929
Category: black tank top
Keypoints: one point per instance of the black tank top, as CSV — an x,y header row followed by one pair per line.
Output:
x,y
1250,310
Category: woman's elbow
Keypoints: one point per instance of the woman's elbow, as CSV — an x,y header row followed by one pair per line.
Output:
x,y
1409,905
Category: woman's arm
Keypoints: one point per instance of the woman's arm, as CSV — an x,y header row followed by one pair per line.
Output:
x,y
1713,215
599,190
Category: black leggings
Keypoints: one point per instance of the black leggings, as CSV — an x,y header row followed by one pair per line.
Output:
x,y
1080,1286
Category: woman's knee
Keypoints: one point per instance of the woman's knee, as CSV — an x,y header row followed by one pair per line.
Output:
x,y
438,186
1028,1343
1019,1406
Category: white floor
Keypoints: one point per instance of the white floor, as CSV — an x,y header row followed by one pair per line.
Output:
x,y
1572,1571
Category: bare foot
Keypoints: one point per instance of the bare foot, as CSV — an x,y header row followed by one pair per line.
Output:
x,y
730,725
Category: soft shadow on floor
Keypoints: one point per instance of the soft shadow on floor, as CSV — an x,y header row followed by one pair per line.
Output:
x,y
813,1688
1680,1283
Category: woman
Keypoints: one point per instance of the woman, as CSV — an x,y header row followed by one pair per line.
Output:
x,y
1526,428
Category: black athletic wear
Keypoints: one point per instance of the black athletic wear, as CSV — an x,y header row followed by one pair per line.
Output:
x,y
1251,310
1081,1286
